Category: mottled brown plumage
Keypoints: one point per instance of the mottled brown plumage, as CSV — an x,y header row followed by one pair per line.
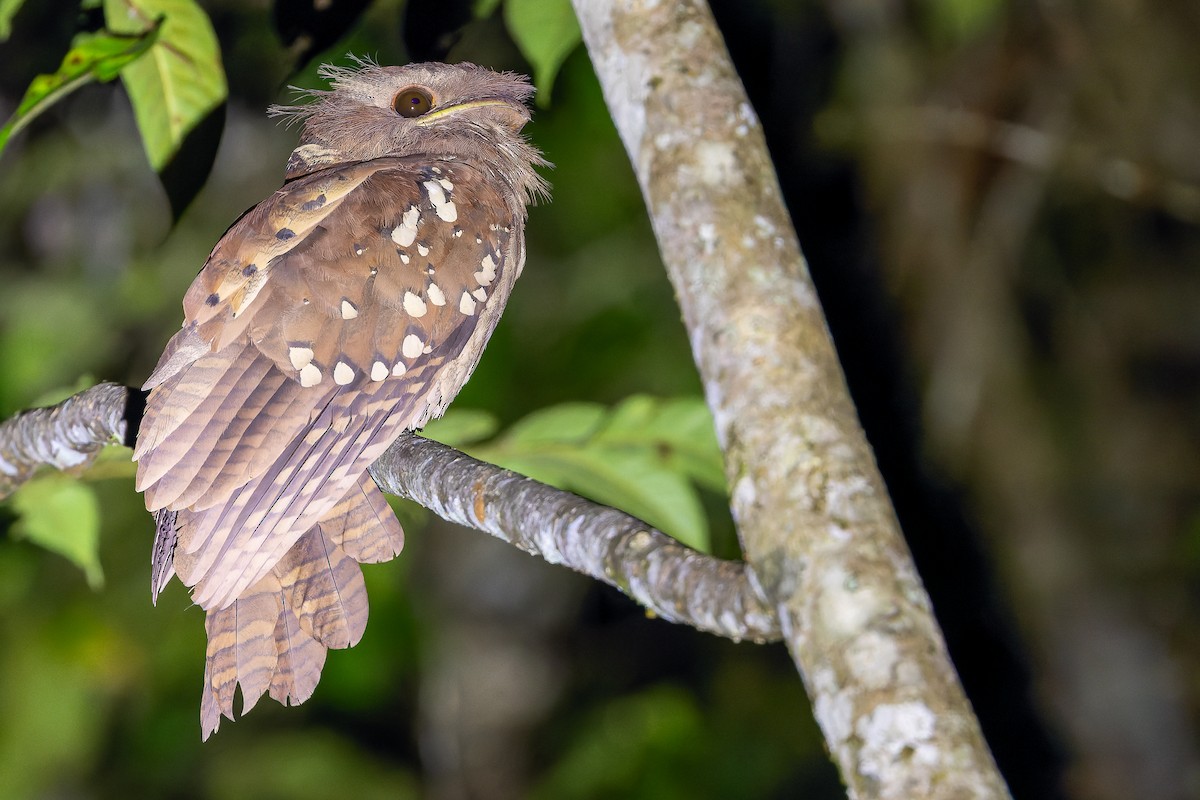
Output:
x,y
350,306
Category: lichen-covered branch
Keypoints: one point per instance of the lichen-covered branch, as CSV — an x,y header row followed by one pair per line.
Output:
x,y
812,511
669,579
66,436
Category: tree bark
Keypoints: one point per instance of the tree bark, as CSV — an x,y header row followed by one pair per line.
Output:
x,y
811,508
67,436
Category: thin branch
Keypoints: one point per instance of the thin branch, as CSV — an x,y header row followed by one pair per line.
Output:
x,y
670,580
812,510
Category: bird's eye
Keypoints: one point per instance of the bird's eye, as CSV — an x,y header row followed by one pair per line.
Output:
x,y
412,102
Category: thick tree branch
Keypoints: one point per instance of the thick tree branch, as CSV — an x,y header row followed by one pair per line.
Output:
x,y
67,436
669,579
812,510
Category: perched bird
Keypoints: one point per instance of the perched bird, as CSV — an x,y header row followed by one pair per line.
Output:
x,y
350,306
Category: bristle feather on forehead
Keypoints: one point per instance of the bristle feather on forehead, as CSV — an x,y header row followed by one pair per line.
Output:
x,y
355,120
368,83
366,77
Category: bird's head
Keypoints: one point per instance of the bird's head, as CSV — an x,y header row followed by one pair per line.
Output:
x,y
457,110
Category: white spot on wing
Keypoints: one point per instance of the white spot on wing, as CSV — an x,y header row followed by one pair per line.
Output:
x,y
445,209
488,272
404,259
349,311
379,371
466,304
412,346
414,305
399,369
480,294
446,184
423,250
435,295
310,376
343,373
405,233
300,356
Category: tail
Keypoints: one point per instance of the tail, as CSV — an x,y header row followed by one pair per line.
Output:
x,y
274,637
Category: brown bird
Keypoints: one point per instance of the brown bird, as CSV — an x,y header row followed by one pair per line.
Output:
x,y
350,306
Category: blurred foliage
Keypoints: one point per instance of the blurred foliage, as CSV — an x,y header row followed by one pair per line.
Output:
x,y
1026,353
999,203
179,80
61,514
7,9
546,32
638,457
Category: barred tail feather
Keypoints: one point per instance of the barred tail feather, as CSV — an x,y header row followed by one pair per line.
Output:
x,y
324,588
364,525
241,650
274,637
301,658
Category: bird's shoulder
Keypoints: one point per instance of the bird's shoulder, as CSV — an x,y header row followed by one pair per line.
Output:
x,y
357,259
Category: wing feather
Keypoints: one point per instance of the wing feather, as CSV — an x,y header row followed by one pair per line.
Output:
x,y
173,403
203,480
260,446
172,467
294,495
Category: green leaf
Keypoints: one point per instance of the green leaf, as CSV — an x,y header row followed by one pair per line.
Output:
x,y
462,427
546,31
61,514
113,461
568,422
482,9
954,22
632,481
637,457
684,429
8,10
92,57
180,80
